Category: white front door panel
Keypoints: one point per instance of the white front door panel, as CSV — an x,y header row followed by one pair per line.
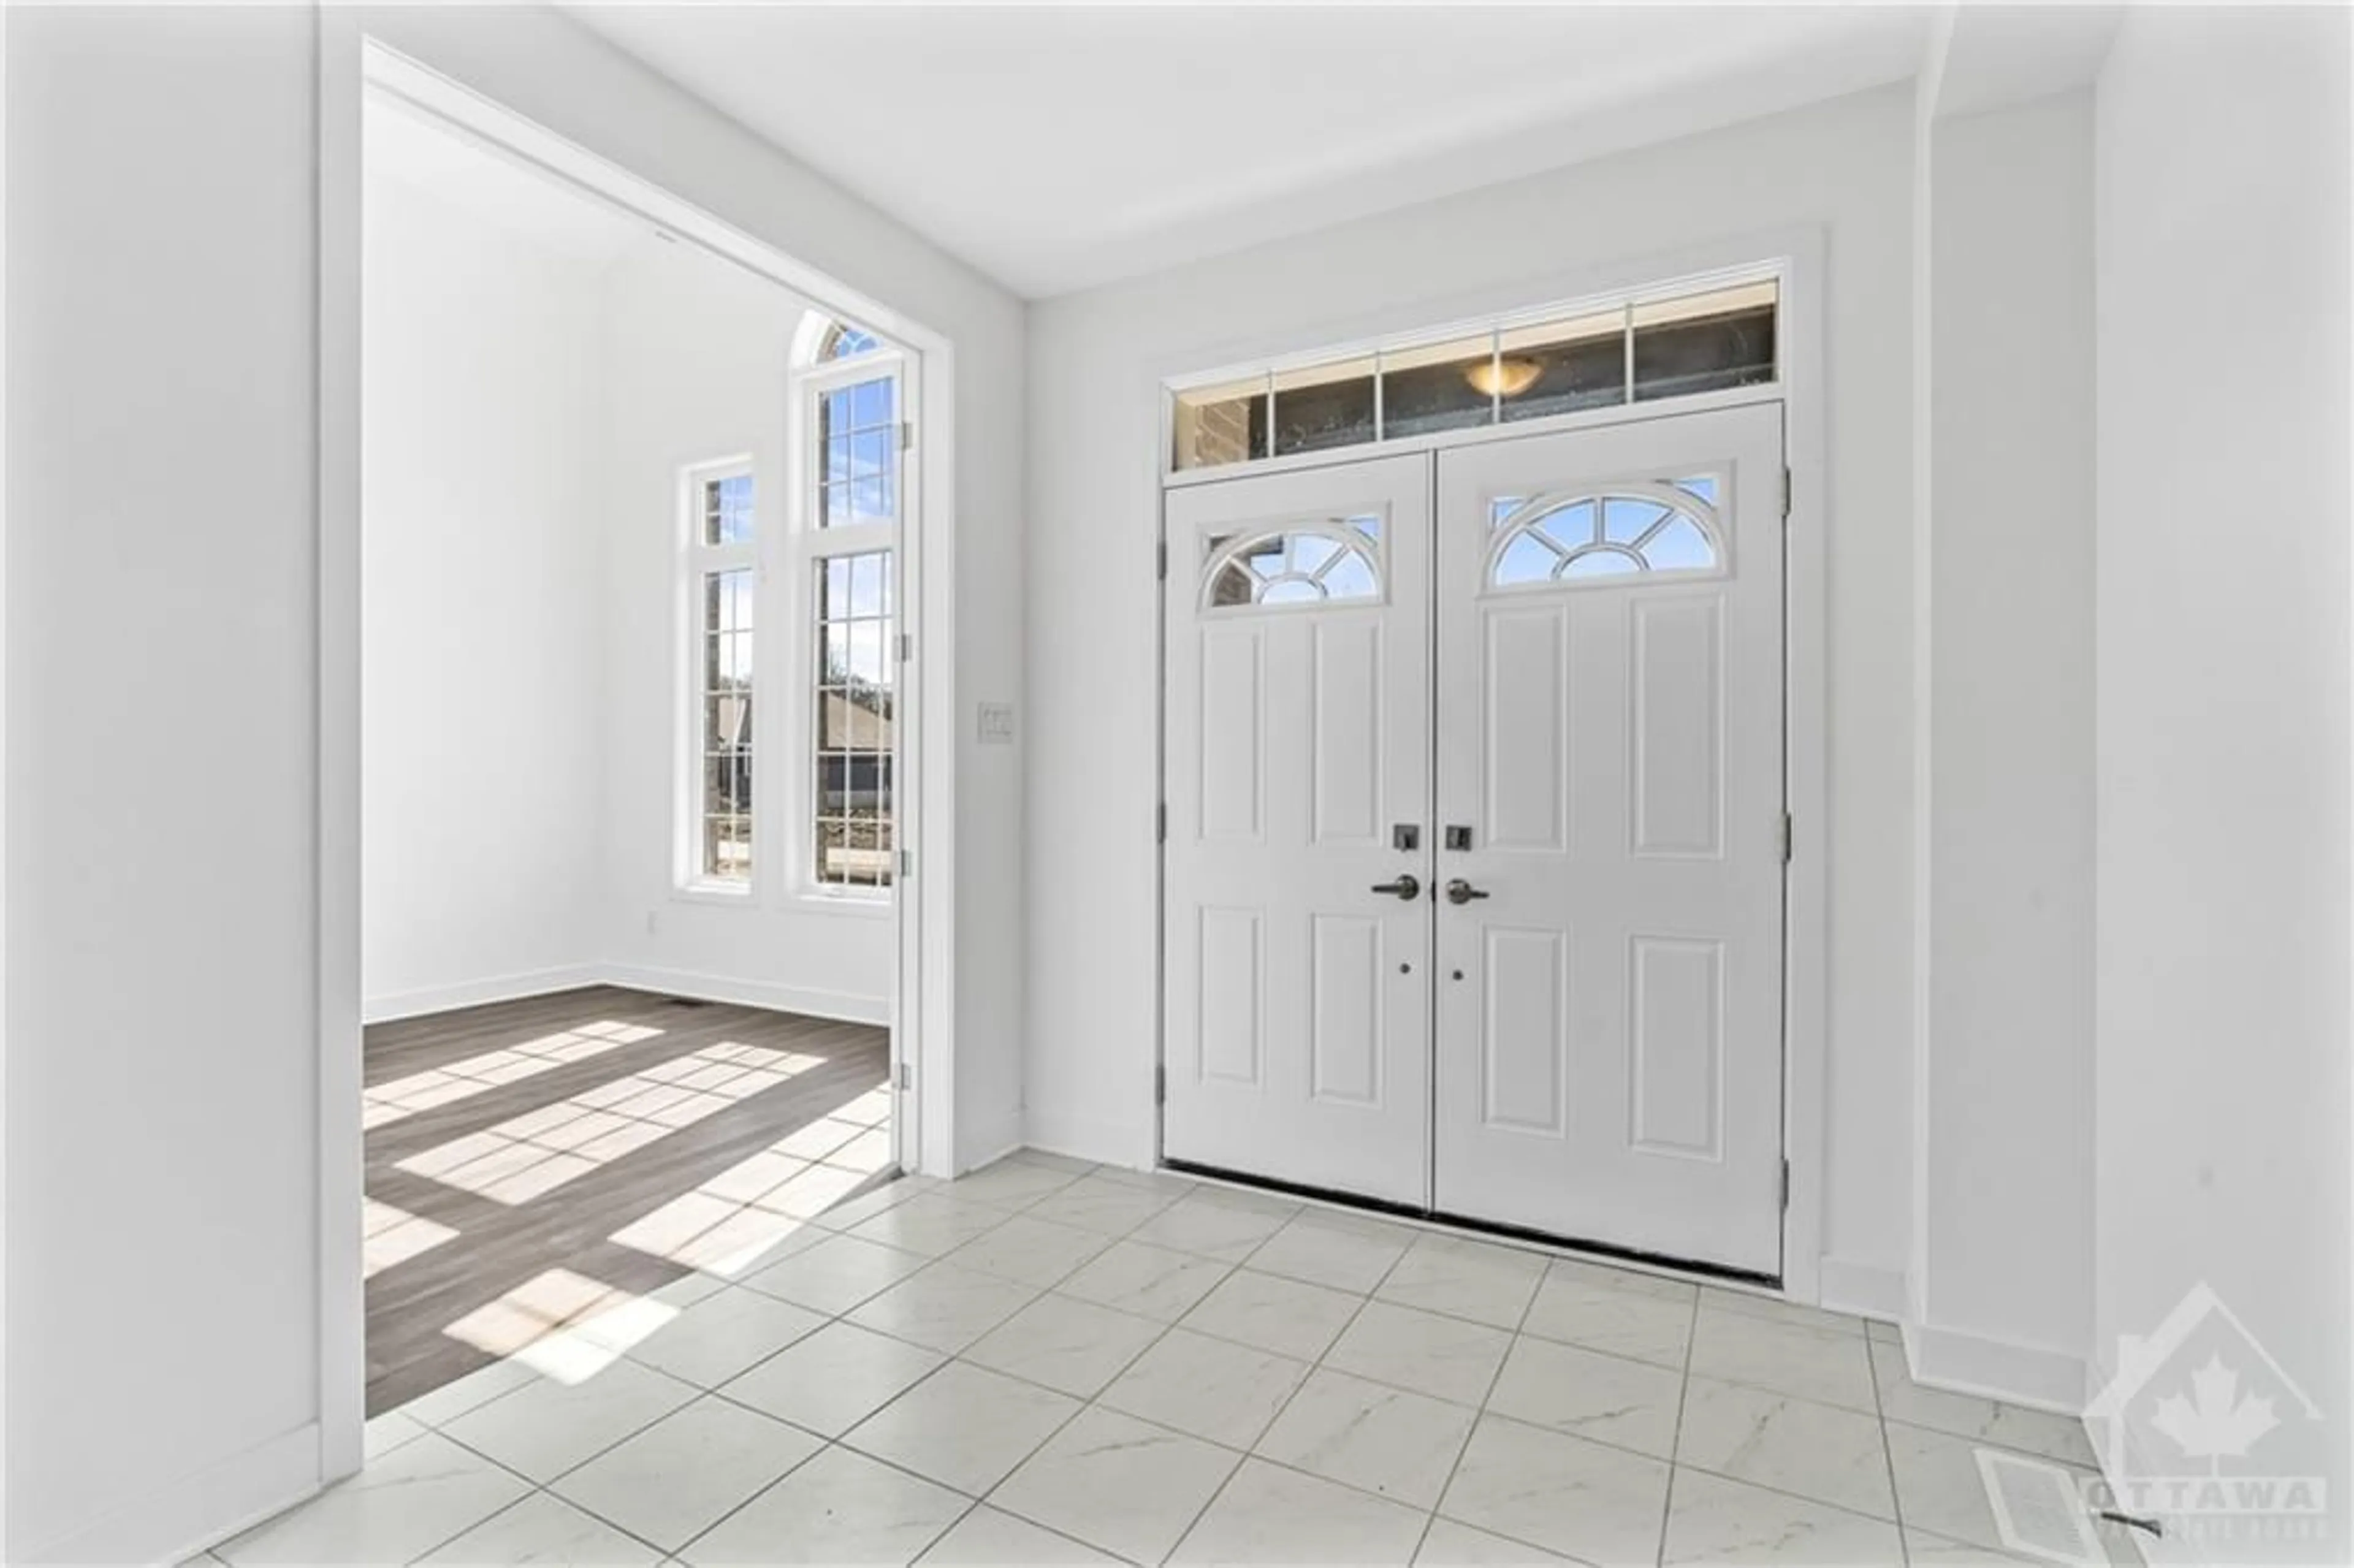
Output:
x,y
1296,998
1609,730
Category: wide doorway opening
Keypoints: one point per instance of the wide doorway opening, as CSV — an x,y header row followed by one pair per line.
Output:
x,y
1476,843
635,562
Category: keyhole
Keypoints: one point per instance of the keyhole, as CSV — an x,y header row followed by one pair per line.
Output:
x,y
1458,974
1405,968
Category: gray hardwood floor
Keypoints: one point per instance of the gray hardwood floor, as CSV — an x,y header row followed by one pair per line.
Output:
x,y
509,1144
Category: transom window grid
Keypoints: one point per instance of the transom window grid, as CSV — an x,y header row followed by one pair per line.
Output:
x,y
723,580
1303,565
1584,357
1617,534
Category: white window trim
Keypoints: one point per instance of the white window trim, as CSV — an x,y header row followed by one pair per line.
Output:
x,y
808,546
696,559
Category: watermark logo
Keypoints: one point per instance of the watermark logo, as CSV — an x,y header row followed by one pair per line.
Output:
x,y
2200,1428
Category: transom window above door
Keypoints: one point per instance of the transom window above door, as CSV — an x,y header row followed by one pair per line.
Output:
x,y
1662,344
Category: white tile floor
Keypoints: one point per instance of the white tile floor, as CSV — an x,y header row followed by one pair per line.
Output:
x,y
1049,1362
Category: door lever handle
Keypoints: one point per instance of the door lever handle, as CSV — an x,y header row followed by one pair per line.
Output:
x,y
1407,887
1461,892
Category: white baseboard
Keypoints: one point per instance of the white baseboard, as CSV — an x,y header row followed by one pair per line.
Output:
x,y
1087,1138
199,1510
476,993
846,1007
2031,1375
1864,1289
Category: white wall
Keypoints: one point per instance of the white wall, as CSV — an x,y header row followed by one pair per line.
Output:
x,y
695,366
2222,657
1095,358
483,715
164,1112
162,1129
2005,1102
549,70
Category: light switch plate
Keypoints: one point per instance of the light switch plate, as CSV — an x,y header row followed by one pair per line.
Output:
x,y
997,724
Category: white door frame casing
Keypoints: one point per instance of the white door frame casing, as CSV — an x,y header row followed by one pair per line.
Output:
x,y
1796,257
922,1009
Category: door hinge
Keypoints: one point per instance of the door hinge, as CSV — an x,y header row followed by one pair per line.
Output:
x,y
1785,1186
1160,823
906,863
1788,831
907,646
1160,1085
907,1077
906,434
1785,493
1161,560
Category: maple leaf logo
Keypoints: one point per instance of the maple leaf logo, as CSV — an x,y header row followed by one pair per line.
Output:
x,y
2215,1423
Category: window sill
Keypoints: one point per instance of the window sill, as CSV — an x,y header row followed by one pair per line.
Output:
x,y
859,906
736,894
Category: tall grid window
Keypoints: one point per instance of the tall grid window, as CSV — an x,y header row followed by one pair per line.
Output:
x,y
725,577
856,443
854,697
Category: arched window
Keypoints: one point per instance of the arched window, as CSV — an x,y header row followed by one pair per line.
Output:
x,y
843,341
1306,563
1628,530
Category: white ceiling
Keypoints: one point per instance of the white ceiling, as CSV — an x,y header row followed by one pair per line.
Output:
x,y
1058,147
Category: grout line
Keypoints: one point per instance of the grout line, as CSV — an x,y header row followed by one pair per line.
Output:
x,y
1887,1455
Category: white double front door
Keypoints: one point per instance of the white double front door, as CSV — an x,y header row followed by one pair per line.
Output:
x,y
1474,860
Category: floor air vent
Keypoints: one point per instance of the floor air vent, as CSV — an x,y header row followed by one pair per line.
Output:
x,y
2038,1510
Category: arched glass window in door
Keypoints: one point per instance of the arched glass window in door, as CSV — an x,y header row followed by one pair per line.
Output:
x,y
1640,531
1304,564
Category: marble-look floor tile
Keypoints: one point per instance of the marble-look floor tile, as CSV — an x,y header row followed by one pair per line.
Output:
x,y
1607,1398
542,1528
421,1494
544,1430
471,1392
1099,1203
832,1379
1819,1451
835,1274
1445,1358
1831,1368
1923,1550
1967,1416
1464,1279
680,1475
1047,1159
930,1224
1370,1435
388,1432
1030,1251
1211,1388
988,1537
1324,1249
839,1508
963,1426
1266,1513
1939,1487
1712,1519
943,1308
1629,1315
1775,1309
723,1334
1009,1185
1587,1500
1286,1316
1449,1544
1149,1281
1209,1224
1112,1481
1071,1345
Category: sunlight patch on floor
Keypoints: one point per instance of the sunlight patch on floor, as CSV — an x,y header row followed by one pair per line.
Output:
x,y
395,1235
562,1325
401,1098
